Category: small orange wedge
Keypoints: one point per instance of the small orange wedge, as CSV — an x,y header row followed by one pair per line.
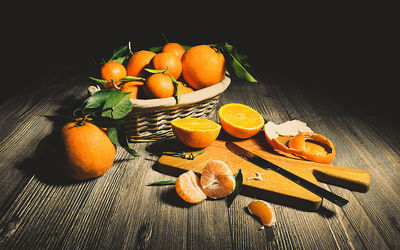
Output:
x,y
239,120
264,211
188,188
195,132
217,179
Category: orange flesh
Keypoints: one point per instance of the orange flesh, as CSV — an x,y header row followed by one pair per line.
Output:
x,y
217,180
243,117
263,211
188,188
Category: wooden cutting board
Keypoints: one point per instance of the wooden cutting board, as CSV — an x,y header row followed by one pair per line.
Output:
x,y
273,187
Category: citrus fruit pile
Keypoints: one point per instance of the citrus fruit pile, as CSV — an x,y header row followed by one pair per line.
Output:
x,y
173,71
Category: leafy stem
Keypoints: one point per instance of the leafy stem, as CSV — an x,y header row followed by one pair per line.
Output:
x,y
183,154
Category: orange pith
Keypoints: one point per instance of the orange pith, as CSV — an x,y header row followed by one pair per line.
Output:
x,y
203,66
217,179
239,120
188,188
264,211
138,62
195,132
88,150
174,48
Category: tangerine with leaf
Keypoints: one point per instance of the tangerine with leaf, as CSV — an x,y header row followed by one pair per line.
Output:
x,y
112,72
203,66
88,150
174,48
159,85
169,62
138,61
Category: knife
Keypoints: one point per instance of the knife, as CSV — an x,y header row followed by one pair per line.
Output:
x,y
261,162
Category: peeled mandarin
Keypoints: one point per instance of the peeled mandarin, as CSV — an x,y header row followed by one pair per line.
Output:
x,y
217,180
188,188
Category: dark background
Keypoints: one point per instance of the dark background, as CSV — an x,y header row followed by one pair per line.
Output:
x,y
343,49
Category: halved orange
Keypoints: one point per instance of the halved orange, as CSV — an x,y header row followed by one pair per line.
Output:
x,y
239,120
264,211
217,179
195,132
188,188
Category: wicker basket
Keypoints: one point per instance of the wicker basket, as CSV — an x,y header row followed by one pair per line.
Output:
x,y
150,119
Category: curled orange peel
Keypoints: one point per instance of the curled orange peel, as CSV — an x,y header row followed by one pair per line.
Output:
x,y
297,144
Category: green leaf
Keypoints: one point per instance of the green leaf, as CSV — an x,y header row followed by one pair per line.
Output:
x,y
155,71
117,135
117,105
119,53
155,49
112,134
120,60
102,82
239,181
178,89
162,183
240,70
186,47
97,99
131,78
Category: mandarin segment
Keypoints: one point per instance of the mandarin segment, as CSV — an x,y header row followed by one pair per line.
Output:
x,y
264,211
217,180
195,132
188,188
239,120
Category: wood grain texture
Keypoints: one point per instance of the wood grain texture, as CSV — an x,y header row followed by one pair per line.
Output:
x,y
41,210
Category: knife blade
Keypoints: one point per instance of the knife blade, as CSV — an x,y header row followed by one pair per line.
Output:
x,y
265,164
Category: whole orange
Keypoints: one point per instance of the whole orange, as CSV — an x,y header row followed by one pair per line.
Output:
x,y
174,48
184,89
138,62
113,71
132,87
159,85
89,152
167,61
203,66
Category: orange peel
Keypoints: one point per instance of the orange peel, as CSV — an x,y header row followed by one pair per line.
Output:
x,y
297,144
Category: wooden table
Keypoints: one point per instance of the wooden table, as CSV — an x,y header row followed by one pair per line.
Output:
x,y
118,210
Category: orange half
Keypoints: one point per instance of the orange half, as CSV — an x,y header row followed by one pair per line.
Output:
x,y
239,120
195,132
